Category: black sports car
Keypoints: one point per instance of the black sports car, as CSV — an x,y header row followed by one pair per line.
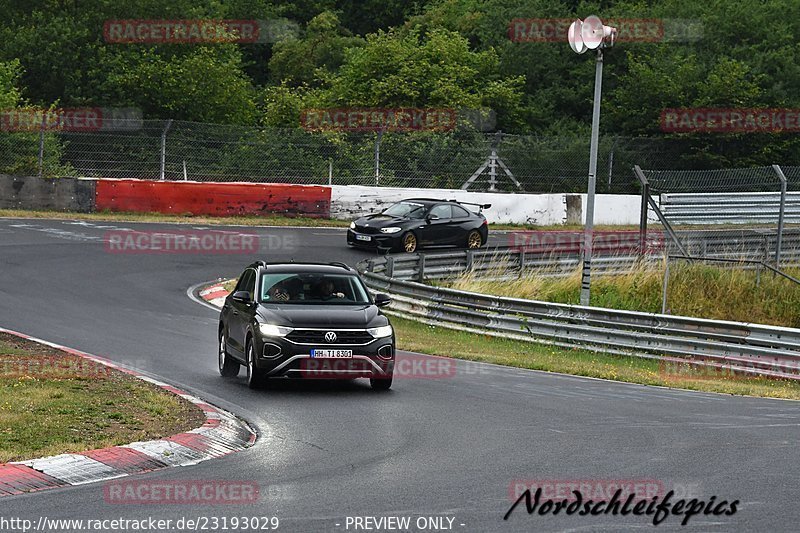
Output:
x,y
416,222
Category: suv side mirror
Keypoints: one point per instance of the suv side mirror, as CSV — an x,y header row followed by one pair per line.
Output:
x,y
382,300
242,296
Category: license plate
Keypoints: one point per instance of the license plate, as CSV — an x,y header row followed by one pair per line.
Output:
x,y
332,354
363,237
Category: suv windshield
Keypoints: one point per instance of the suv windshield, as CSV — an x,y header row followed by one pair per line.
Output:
x,y
312,288
406,209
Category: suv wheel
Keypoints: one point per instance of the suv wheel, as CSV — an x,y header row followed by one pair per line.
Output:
x,y
228,367
381,383
255,376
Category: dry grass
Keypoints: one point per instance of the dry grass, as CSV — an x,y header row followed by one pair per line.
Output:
x,y
52,402
696,290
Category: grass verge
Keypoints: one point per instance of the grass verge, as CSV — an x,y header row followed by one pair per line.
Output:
x,y
417,337
52,402
697,290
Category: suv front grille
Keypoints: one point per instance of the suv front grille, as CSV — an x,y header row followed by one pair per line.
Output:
x,y
317,337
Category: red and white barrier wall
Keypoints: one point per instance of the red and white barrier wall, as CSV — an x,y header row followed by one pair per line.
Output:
x,y
347,201
212,198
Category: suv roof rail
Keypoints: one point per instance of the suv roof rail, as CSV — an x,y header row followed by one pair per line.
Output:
x,y
340,264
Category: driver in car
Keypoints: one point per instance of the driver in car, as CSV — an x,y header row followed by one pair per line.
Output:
x,y
327,290
279,292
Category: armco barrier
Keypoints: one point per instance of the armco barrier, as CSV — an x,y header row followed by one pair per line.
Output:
x,y
752,349
217,199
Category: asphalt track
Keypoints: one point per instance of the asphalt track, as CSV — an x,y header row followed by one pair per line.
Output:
x,y
446,447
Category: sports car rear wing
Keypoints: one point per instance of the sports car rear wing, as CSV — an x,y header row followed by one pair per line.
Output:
x,y
480,206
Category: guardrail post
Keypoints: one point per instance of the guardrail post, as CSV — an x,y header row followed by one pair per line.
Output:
x,y
470,257
390,267
521,261
421,268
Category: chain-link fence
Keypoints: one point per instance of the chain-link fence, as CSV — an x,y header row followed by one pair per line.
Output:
x,y
179,150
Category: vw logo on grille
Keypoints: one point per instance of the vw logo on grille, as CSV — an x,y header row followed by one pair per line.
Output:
x,y
330,336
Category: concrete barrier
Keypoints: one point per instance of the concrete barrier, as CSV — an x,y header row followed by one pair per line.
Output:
x,y
351,201
49,194
338,201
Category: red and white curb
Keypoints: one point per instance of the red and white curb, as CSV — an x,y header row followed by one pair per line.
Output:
x,y
221,434
214,294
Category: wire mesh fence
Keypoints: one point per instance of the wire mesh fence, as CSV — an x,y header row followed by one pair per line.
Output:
x,y
179,150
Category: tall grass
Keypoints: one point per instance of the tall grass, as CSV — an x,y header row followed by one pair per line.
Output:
x,y
695,289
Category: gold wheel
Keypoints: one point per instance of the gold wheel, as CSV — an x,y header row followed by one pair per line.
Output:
x,y
474,239
409,243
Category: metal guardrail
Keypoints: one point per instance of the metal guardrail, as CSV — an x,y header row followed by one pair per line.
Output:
x,y
733,346
733,208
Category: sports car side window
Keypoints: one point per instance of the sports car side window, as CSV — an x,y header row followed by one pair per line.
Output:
x,y
459,212
442,211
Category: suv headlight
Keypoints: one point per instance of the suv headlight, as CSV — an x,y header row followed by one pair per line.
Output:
x,y
383,331
391,229
352,225
271,330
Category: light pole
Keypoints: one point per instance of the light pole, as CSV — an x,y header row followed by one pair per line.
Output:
x,y
590,34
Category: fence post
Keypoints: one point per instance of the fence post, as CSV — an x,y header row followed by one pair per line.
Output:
x,y
781,212
164,148
643,218
330,171
665,286
378,140
521,262
40,161
421,268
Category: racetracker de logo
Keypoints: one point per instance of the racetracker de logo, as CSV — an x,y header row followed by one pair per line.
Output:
x,y
720,120
404,367
192,491
603,242
699,370
76,119
596,489
180,31
374,119
180,242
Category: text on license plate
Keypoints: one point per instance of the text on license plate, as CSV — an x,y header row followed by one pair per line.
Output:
x,y
363,237
332,354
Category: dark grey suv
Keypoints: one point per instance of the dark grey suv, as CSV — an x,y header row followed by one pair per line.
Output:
x,y
305,320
